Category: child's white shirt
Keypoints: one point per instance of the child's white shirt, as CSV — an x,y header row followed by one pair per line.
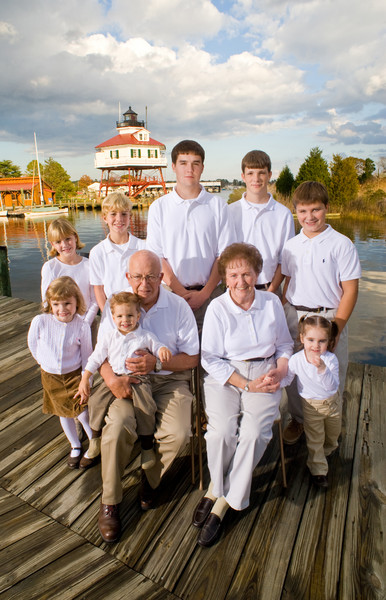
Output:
x,y
116,348
58,347
80,273
311,384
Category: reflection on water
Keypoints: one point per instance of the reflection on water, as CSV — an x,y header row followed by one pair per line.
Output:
x,y
28,250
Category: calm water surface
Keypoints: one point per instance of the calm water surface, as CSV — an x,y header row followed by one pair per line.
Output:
x,y
28,250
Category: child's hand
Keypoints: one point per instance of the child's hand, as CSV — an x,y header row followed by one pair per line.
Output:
x,y
164,354
83,391
316,360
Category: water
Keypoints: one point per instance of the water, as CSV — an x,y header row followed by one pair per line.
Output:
x,y
28,250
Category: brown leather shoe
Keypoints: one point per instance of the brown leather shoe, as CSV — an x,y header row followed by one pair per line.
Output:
x,y
293,432
109,523
202,511
86,463
320,480
146,493
210,532
73,461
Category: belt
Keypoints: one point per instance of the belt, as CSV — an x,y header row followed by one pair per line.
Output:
x,y
262,286
194,287
319,309
258,359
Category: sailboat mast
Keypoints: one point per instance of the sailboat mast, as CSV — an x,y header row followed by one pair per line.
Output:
x,y
40,179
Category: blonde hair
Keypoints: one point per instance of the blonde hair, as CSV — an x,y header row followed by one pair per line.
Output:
x,y
59,230
116,201
125,298
63,288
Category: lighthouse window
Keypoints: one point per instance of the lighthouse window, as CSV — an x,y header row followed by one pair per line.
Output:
x,y
135,153
140,136
152,153
114,153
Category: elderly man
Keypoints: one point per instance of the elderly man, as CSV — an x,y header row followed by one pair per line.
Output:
x,y
171,319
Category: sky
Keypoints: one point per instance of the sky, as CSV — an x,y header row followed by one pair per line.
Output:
x,y
280,76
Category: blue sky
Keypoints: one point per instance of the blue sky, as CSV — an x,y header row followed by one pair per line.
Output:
x,y
268,74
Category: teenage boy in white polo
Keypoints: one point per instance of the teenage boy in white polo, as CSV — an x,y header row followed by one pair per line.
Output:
x,y
260,220
323,270
188,229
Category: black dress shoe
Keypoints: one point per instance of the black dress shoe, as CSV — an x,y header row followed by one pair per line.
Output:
x,y
320,480
210,532
109,523
146,493
202,511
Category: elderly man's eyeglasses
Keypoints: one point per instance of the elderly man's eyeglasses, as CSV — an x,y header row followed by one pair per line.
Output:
x,y
147,278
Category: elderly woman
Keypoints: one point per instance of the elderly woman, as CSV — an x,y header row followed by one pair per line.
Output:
x,y
245,350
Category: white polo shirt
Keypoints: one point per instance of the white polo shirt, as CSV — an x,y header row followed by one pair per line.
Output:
x,y
171,319
108,263
311,384
231,333
80,273
116,347
266,226
190,234
317,266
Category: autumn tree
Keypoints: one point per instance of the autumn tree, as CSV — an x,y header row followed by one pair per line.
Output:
x,y
84,182
314,168
285,181
9,169
344,184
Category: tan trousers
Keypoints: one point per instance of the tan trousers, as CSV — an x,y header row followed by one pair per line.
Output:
x,y
322,426
173,399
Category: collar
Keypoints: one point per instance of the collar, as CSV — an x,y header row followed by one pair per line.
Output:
x,y
162,302
256,304
109,246
201,198
317,239
270,205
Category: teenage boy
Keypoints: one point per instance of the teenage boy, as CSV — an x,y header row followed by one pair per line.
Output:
x,y
322,270
260,220
188,229
108,259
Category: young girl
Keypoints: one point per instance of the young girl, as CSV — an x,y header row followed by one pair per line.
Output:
x,y
317,370
117,345
60,341
64,240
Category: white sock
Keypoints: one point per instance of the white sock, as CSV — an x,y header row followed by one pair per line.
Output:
x,y
83,420
69,428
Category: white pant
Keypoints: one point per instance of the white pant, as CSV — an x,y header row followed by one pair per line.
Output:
x,y
293,316
239,430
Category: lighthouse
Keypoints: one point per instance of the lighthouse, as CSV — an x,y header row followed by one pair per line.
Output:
x,y
138,157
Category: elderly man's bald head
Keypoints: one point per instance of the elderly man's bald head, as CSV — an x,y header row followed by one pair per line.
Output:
x,y
145,276
142,257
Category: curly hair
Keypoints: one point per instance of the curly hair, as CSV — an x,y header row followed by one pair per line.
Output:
x,y
61,289
249,252
125,298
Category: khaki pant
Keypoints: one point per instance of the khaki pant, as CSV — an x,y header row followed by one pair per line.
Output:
x,y
322,426
173,399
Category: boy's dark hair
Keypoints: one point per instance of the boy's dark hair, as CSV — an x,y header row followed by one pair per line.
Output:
x,y
256,159
187,147
309,192
330,327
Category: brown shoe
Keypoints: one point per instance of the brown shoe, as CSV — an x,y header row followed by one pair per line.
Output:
x,y
73,461
320,480
86,463
202,511
146,493
293,432
109,523
210,532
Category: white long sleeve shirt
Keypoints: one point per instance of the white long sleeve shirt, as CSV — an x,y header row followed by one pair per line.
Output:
x,y
58,347
231,333
116,347
311,384
80,273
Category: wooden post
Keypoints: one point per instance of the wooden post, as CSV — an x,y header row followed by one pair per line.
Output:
x,y
5,281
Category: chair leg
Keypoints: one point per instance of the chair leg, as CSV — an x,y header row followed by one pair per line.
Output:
x,y
192,446
282,457
196,429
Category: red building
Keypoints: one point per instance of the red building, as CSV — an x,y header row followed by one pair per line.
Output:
x,y
19,192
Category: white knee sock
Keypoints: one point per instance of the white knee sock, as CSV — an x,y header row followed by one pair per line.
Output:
x,y
69,428
83,420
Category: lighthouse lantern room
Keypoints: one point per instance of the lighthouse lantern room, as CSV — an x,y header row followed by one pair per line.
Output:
x,y
133,151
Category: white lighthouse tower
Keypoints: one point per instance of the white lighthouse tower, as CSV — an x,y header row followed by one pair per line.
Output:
x,y
135,153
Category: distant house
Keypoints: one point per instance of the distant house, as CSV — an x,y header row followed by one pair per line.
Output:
x,y
18,192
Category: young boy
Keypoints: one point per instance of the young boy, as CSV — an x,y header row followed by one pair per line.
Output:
x,y
188,229
260,220
323,270
118,345
108,259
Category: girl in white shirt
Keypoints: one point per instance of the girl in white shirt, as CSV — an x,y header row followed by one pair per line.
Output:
x,y
65,242
317,371
60,341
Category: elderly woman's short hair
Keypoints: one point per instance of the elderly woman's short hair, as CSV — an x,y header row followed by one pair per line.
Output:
x,y
248,252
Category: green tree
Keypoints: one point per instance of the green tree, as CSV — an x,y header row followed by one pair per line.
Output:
x,y
314,168
285,181
369,168
32,168
58,178
8,169
344,184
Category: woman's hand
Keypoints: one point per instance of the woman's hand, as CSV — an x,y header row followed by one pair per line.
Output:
x,y
263,384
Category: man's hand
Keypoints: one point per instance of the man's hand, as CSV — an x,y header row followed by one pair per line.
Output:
x,y
195,298
142,365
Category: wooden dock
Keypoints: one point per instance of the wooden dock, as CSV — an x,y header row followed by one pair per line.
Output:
x,y
297,543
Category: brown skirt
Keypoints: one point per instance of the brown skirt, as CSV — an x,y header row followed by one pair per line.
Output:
x,y
58,394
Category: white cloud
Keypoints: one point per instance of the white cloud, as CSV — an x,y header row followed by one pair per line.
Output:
x,y
7,30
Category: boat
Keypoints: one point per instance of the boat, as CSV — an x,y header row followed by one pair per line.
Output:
x,y
45,211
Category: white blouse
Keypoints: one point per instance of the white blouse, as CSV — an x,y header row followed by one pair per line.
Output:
x,y
311,384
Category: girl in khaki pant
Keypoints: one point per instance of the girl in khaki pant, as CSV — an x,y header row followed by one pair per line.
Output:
x,y
317,370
